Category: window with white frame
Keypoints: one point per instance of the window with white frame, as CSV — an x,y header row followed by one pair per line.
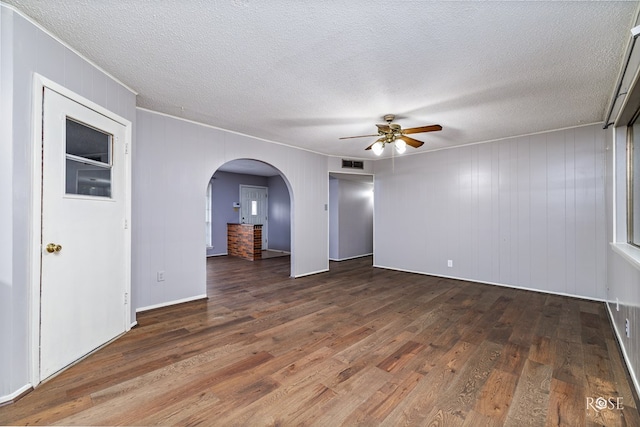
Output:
x,y
208,227
633,182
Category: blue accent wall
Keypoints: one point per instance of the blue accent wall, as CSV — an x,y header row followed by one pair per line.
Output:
x,y
226,191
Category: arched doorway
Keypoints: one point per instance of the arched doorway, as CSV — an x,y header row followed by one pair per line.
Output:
x,y
225,205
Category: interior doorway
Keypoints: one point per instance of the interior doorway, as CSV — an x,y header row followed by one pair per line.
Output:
x,y
228,205
351,199
81,238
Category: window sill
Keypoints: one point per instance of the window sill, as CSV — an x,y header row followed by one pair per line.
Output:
x,y
628,252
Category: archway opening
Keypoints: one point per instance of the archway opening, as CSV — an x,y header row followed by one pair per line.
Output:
x,y
234,196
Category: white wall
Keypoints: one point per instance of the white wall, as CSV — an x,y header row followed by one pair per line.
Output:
x,y
623,277
7,383
334,218
351,219
26,49
279,215
624,286
527,212
174,162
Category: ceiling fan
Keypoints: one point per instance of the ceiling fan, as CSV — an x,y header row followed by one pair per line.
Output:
x,y
392,133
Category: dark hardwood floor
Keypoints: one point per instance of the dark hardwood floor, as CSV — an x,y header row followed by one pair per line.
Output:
x,y
354,346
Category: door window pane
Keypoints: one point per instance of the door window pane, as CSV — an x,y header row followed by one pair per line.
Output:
x,y
88,180
88,160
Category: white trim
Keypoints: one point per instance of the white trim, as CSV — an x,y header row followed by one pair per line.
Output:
x,y
35,212
350,172
169,303
351,257
36,230
627,361
327,208
629,252
63,43
614,182
505,138
208,221
226,254
311,273
373,215
361,158
8,398
214,255
171,116
482,282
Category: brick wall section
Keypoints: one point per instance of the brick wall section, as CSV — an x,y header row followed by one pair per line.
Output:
x,y
244,241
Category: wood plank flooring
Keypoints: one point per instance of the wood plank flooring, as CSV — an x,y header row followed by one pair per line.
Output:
x,y
354,346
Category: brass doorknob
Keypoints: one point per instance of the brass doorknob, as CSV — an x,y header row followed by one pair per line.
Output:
x,y
52,247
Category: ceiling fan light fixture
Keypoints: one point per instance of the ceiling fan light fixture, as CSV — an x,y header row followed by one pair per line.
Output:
x,y
377,148
392,133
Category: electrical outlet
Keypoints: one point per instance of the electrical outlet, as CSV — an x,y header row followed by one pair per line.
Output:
x,y
160,276
450,263
627,329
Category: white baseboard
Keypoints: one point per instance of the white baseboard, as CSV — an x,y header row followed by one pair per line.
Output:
x,y
168,303
524,288
351,257
311,273
212,255
625,356
9,398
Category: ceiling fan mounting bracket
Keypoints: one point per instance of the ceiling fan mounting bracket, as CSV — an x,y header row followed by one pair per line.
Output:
x,y
389,117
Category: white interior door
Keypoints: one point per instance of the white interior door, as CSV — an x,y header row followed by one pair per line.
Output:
x,y
254,208
84,265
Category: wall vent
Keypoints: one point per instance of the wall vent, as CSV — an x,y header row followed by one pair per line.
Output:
x,y
352,164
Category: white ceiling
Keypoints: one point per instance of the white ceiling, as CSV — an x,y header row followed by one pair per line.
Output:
x,y
307,72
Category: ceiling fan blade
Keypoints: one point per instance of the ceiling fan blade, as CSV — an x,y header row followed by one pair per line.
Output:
x,y
384,128
377,140
430,128
360,136
410,141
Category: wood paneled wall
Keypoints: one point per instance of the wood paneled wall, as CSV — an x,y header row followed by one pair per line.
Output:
x,y
26,49
526,212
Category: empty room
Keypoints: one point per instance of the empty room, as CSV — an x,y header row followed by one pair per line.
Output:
x,y
319,213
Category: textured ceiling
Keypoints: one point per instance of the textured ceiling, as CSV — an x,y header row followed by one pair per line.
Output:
x,y
305,73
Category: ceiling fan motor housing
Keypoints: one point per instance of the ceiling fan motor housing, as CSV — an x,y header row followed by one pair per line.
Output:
x,y
393,132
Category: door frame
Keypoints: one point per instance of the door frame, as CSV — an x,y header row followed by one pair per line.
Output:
x,y
39,83
265,227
